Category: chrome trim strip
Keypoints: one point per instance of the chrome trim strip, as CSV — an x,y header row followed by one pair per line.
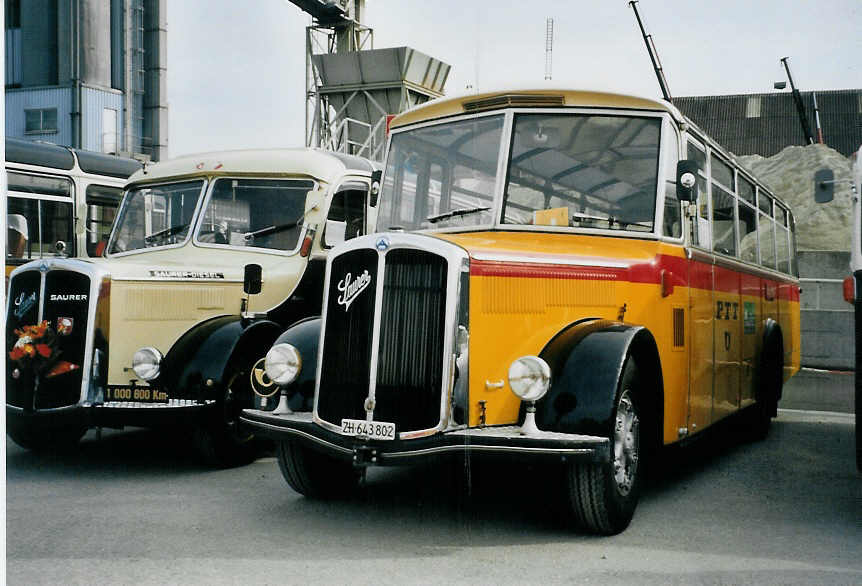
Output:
x,y
171,404
174,279
290,430
550,260
480,448
375,333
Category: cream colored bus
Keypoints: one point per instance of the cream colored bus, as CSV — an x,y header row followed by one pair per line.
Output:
x,y
163,328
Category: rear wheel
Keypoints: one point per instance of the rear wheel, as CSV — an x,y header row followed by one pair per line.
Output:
x,y
222,440
316,475
602,497
769,383
45,439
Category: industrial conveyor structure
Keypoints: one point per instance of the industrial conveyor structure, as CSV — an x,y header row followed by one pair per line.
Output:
x,y
351,88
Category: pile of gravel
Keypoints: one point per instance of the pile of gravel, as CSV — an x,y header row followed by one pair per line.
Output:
x,y
790,175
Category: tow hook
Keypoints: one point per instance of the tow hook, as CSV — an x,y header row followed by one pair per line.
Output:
x,y
364,456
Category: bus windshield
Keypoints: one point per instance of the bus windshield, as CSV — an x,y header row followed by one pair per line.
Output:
x,y
155,215
578,170
588,171
441,175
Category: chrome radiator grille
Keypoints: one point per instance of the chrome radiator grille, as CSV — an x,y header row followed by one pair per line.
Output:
x,y
410,354
410,357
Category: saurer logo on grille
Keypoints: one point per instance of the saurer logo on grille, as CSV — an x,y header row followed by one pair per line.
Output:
x,y
23,303
351,288
67,297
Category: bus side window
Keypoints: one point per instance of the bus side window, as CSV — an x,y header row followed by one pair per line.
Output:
x,y
700,229
102,203
672,223
346,219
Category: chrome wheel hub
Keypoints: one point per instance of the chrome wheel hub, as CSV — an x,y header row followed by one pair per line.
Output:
x,y
626,443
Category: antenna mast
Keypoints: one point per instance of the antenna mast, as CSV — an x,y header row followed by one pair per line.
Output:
x,y
653,54
549,46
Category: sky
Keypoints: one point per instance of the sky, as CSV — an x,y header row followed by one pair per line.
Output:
x,y
236,70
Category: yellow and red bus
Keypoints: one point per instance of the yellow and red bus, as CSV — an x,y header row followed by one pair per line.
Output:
x,y
569,276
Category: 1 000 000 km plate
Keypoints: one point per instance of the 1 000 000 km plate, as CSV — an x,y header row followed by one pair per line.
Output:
x,y
379,430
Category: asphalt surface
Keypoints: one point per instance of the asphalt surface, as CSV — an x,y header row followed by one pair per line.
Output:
x,y
136,506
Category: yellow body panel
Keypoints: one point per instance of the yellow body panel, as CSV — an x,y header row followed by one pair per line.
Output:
x,y
570,277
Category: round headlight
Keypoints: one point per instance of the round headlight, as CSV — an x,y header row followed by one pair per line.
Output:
x,y
147,363
283,364
529,378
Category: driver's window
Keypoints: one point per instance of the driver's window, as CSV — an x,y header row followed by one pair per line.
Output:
x,y
346,218
255,212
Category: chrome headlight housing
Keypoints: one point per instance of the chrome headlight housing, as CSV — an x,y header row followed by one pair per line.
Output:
x,y
529,378
283,364
147,363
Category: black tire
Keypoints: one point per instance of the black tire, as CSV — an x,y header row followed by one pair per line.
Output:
x,y
222,440
316,475
770,379
47,439
602,497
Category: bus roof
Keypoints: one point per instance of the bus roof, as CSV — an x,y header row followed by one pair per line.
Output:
x,y
46,154
526,98
312,162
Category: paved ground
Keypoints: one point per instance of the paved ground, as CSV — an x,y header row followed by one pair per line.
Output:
x,y
137,507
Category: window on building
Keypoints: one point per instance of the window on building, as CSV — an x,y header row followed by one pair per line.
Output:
x,y
40,120
752,107
109,131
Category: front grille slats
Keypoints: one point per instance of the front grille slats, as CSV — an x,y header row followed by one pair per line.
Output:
x,y
409,368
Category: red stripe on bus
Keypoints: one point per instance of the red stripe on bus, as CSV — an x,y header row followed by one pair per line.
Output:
x,y
680,272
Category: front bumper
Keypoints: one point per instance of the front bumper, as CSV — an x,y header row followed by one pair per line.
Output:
x,y
503,440
114,414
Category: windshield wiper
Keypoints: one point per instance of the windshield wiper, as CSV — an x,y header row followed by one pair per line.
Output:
x,y
611,220
166,232
456,212
271,229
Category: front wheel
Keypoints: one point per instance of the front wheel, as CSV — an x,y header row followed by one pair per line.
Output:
x,y
316,475
602,497
221,440
43,440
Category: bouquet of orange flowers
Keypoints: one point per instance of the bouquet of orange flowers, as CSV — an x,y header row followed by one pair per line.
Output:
x,y
36,349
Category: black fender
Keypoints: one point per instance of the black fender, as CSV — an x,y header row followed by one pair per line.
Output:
x,y
304,335
207,352
587,359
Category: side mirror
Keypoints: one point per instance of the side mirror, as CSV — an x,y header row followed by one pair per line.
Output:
x,y
824,186
376,177
334,233
686,180
251,282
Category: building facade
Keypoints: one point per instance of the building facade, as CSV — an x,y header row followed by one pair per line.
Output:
x,y
763,124
89,74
